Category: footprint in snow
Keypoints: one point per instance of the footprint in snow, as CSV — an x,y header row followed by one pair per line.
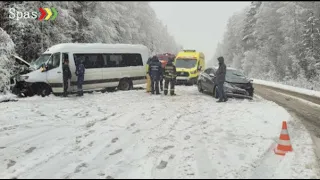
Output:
x,y
91,131
168,147
11,163
162,165
114,140
90,124
133,124
187,137
30,150
104,119
137,131
79,167
115,152
90,144
172,156
78,139
109,177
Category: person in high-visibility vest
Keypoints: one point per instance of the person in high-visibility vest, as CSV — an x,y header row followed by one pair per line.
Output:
x,y
148,88
170,75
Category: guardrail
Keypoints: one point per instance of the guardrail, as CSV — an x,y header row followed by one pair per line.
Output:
x,y
309,95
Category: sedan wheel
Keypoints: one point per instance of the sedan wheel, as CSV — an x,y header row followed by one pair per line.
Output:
x,y
200,87
44,91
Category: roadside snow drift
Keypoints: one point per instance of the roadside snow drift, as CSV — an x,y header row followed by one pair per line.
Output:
x,y
135,135
7,97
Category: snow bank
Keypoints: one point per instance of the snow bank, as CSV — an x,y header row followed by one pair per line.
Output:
x,y
287,87
7,97
135,135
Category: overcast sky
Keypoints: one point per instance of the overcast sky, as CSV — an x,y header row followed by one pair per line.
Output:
x,y
197,25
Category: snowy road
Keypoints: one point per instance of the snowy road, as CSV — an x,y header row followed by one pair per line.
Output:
x,y
303,108
135,135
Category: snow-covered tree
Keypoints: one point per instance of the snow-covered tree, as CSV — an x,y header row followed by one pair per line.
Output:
x,y
281,41
6,63
89,22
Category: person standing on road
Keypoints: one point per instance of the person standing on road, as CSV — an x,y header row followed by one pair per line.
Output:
x,y
155,71
170,77
66,76
163,64
220,79
80,70
148,88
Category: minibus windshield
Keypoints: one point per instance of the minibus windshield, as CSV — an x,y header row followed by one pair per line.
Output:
x,y
40,61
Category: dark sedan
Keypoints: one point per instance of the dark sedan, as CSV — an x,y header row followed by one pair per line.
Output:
x,y
236,85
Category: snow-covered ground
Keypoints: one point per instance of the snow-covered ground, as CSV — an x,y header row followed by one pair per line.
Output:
x,y
287,87
135,135
7,97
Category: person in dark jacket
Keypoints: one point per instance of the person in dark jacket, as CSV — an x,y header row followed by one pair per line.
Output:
x,y
155,71
66,76
220,79
170,77
80,70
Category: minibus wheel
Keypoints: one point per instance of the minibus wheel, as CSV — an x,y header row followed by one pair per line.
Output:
x,y
43,90
125,85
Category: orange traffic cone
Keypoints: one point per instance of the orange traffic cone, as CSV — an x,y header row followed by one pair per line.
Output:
x,y
284,144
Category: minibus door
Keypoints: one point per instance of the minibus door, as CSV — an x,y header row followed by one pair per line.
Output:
x,y
54,72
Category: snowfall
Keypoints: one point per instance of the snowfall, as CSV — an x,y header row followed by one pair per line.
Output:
x,y
132,134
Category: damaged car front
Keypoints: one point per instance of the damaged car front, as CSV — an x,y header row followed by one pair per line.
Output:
x,y
16,81
25,82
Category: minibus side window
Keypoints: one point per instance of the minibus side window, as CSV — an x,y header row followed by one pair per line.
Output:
x,y
90,61
132,59
105,60
115,60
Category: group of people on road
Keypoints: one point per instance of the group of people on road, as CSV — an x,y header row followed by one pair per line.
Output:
x,y
80,70
156,73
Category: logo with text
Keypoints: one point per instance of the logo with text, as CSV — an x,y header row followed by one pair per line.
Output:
x,y
43,14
